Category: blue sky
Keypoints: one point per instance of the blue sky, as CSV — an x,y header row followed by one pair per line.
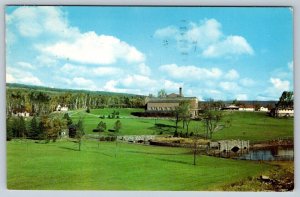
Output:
x,y
243,53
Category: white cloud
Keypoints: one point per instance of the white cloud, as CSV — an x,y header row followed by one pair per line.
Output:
x,y
10,78
280,85
137,81
26,65
242,97
232,74
78,70
14,75
208,37
229,86
94,49
46,61
190,72
171,85
291,66
81,82
166,32
247,82
232,45
144,69
33,21
208,31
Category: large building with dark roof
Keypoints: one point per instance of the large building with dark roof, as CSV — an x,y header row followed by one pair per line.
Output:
x,y
170,102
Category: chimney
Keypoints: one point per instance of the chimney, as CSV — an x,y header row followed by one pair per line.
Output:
x,y
180,91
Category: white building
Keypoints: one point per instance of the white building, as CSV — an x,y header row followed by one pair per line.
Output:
x,y
263,109
246,109
60,108
23,114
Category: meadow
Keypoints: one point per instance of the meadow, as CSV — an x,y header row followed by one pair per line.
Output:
x,y
109,166
253,126
59,166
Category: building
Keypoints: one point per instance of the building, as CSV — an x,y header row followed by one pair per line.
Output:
x,y
263,109
62,109
231,108
280,112
21,114
170,102
247,108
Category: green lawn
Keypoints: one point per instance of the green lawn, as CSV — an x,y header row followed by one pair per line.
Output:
x,y
253,126
136,167
256,126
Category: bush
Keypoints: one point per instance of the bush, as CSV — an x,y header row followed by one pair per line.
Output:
x,y
88,110
96,130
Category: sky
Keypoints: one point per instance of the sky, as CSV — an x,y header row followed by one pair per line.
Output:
x,y
223,53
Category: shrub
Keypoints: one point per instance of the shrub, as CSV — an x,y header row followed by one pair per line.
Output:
x,y
96,130
88,110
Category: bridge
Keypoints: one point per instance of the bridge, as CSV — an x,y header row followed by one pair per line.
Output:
x,y
231,145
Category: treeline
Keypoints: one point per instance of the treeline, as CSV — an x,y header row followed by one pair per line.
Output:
x,y
39,102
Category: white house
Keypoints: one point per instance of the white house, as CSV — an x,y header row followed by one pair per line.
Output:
x,y
60,108
23,114
247,108
263,109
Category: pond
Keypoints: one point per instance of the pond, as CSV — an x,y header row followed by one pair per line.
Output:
x,y
275,153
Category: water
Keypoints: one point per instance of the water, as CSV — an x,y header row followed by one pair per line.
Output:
x,y
278,153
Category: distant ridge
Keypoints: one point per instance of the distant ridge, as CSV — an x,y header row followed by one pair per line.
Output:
x,y
48,89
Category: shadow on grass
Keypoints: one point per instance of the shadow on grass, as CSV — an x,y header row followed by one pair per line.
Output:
x,y
76,149
151,153
67,148
175,161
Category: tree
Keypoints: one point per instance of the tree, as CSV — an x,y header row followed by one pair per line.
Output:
x,y
185,114
117,128
53,126
9,132
211,123
79,132
162,93
101,127
195,142
68,119
286,100
33,133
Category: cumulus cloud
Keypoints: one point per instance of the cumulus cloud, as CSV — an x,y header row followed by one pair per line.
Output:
x,y
291,66
14,75
232,74
33,21
94,49
63,41
190,72
232,45
242,97
208,37
166,32
143,69
247,82
280,85
78,70
229,86
26,65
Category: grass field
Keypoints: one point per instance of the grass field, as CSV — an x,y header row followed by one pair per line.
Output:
x,y
136,167
253,126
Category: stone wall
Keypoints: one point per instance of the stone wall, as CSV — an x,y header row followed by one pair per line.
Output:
x,y
229,145
136,138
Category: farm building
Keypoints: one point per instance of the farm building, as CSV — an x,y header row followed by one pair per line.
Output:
x,y
247,108
231,108
280,112
263,109
62,109
170,102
